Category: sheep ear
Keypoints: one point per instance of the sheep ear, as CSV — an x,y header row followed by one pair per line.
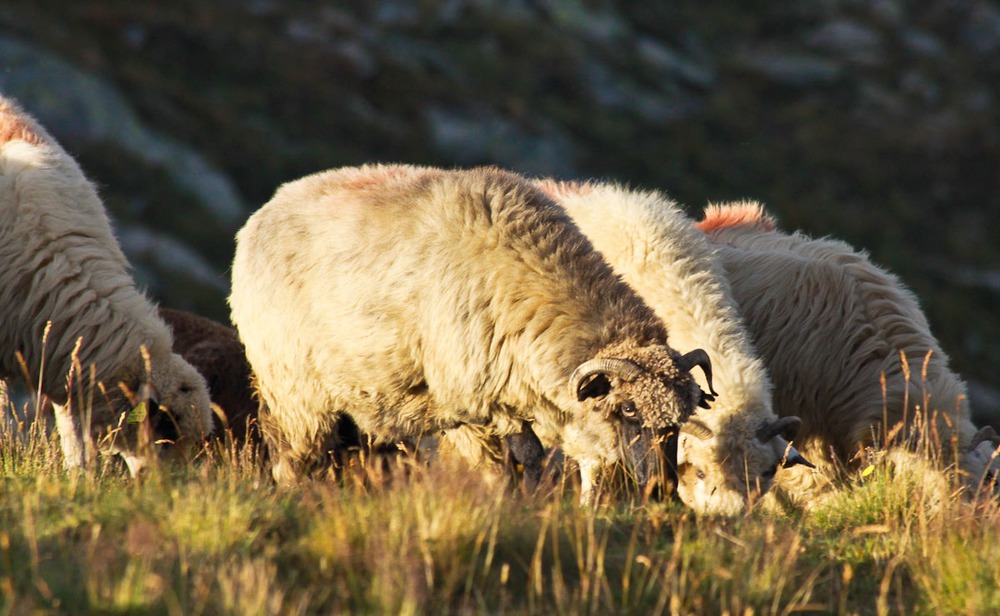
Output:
x,y
986,433
787,427
147,394
597,386
792,457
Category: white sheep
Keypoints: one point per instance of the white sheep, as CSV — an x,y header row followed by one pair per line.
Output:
x,y
729,454
416,300
66,298
831,325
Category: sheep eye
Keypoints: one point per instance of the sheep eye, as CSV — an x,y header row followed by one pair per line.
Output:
x,y
686,469
628,410
186,389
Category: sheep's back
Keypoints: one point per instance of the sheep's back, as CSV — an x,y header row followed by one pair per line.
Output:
x,y
61,264
831,325
656,249
378,280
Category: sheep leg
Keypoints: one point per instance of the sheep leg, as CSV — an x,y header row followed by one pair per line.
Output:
x,y
525,449
297,448
589,472
70,437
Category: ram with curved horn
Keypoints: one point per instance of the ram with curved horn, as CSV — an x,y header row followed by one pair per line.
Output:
x,y
727,455
418,299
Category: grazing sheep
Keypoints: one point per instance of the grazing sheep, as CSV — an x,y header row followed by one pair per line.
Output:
x,y
217,354
70,312
417,299
830,325
728,454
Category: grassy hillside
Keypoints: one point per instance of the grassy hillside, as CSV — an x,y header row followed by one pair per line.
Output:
x,y
215,537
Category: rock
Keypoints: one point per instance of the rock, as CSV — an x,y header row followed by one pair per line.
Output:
x,y
75,106
922,43
790,69
982,31
614,91
593,25
170,255
471,137
672,63
888,11
849,39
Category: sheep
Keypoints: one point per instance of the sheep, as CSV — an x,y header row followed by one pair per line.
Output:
x,y
70,315
415,299
831,326
730,454
216,352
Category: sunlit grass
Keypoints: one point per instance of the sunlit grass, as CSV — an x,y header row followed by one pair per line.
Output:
x,y
400,536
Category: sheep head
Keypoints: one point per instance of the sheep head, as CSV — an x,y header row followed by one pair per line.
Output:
x,y
165,405
722,476
981,463
642,392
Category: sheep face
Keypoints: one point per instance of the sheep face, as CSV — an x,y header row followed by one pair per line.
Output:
x,y
182,394
724,478
179,410
981,463
631,402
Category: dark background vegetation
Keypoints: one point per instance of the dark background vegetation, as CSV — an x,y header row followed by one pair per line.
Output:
x,y
876,122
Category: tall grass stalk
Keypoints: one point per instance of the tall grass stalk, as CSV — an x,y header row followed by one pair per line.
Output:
x,y
397,535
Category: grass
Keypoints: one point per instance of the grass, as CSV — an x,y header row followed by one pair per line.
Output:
x,y
216,537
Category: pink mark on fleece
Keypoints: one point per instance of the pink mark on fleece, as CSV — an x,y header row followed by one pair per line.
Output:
x,y
14,126
377,177
555,189
747,214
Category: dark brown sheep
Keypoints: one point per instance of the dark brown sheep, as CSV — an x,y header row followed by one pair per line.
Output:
x,y
216,352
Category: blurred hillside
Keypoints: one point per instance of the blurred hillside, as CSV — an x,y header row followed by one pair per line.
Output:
x,y
874,122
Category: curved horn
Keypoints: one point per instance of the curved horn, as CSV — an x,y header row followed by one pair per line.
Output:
x,y
779,427
698,357
622,368
697,429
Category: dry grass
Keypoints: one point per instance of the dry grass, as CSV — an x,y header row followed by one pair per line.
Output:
x,y
216,537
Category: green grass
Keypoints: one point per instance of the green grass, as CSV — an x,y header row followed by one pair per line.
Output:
x,y
216,537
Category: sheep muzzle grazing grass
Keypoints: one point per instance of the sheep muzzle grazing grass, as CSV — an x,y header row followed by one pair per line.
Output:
x,y
734,478
128,418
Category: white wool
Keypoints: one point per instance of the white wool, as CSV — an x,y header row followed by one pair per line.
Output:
x,y
831,325
66,293
417,299
654,246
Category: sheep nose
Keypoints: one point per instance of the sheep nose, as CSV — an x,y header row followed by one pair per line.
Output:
x,y
164,426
